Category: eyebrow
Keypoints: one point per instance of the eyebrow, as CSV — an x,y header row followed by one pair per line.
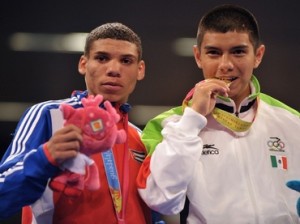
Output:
x,y
208,47
241,46
122,55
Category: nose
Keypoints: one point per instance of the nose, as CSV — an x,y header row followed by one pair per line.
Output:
x,y
226,64
113,68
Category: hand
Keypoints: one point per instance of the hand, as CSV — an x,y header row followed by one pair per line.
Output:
x,y
205,93
65,143
295,185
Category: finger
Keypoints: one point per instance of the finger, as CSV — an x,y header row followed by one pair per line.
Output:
x,y
69,128
64,143
66,135
224,83
66,146
63,151
212,87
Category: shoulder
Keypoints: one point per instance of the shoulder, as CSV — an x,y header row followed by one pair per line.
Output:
x,y
52,104
277,104
159,121
151,134
40,113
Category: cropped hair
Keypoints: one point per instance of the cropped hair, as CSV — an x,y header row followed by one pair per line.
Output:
x,y
227,18
116,31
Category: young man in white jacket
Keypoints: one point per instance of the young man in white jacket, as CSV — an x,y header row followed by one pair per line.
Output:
x,y
229,150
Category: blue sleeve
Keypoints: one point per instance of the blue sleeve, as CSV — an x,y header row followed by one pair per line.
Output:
x,y
24,169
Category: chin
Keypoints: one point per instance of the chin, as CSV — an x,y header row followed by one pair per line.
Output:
x,y
113,99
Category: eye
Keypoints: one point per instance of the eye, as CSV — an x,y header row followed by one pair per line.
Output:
x,y
102,58
239,51
127,60
213,52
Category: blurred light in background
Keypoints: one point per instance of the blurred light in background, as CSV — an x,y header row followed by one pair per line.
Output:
x,y
12,111
183,46
140,114
72,42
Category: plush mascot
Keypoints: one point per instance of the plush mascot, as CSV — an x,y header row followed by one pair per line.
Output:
x,y
100,133
295,185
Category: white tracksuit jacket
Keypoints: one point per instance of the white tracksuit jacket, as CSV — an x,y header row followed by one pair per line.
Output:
x,y
229,177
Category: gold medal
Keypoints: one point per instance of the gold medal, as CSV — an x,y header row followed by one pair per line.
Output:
x,y
225,118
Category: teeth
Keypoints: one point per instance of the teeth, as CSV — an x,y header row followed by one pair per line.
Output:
x,y
227,80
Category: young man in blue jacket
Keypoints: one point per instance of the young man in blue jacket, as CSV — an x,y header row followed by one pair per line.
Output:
x,y
111,66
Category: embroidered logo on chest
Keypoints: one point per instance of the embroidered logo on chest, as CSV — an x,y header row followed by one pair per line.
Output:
x,y
275,144
210,149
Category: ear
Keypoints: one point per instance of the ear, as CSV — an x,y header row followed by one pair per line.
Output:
x,y
82,64
141,70
197,55
260,51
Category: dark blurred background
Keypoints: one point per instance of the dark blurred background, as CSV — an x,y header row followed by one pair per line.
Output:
x,y
29,77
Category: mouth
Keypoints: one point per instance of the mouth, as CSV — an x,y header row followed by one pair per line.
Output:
x,y
112,86
227,80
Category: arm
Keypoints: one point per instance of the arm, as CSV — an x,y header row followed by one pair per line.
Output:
x,y
29,163
165,175
24,169
167,171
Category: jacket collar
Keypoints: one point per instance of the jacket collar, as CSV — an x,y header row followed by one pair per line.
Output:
x,y
227,104
123,108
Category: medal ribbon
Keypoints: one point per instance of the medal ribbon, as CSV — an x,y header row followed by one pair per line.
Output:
x,y
230,121
119,197
225,118
113,180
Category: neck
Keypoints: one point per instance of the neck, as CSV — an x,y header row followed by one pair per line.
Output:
x,y
239,98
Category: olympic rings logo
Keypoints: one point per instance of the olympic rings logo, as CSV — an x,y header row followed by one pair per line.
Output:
x,y
276,144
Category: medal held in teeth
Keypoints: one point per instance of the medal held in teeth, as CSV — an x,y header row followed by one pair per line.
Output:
x,y
225,118
229,120
226,80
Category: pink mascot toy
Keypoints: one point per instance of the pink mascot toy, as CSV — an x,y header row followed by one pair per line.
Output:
x,y
99,132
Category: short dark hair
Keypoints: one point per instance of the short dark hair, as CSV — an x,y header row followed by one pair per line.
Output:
x,y
115,30
229,17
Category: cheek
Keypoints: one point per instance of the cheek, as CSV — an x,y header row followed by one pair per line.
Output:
x,y
94,68
131,84
93,73
90,79
209,70
246,69
131,75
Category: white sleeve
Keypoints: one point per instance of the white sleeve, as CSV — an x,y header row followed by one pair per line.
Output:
x,y
172,163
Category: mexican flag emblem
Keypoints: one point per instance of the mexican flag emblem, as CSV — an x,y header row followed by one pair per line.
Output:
x,y
279,162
